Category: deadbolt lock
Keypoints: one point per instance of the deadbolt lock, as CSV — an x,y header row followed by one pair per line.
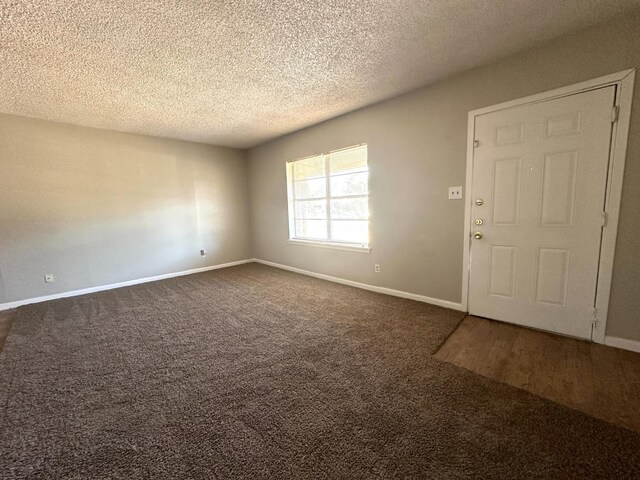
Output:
x,y
478,221
479,201
477,235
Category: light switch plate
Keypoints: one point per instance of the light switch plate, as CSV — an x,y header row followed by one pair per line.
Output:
x,y
455,193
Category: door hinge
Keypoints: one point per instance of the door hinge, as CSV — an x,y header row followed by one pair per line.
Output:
x,y
614,114
594,321
605,219
476,143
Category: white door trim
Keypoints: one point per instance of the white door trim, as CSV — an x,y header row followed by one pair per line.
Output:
x,y
624,81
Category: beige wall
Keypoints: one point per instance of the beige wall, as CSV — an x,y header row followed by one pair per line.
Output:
x,y
417,149
96,207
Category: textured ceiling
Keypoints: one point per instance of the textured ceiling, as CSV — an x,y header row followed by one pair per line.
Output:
x,y
238,73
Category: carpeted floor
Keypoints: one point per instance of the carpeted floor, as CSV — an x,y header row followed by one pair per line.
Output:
x,y
254,372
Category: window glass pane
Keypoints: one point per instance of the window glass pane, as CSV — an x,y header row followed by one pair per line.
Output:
x,y
310,188
354,184
309,168
346,161
311,209
350,208
313,229
350,231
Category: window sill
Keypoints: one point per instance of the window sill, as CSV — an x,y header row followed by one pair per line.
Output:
x,y
347,247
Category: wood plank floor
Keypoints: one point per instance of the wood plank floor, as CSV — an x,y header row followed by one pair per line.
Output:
x,y
595,379
6,319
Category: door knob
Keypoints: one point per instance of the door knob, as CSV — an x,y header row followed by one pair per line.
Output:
x,y
479,201
477,235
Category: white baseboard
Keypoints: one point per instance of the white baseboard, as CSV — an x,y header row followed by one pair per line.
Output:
x,y
373,288
616,342
84,291
625,343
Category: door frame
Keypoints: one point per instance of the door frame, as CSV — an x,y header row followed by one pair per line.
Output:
x,y
624,82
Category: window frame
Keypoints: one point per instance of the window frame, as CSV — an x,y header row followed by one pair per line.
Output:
x,y
291,203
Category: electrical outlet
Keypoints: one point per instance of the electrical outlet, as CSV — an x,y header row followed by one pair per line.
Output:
x,y
455,193
49,278
203,253
376,268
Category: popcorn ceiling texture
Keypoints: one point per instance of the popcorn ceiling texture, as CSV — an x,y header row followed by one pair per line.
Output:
x,y
238,73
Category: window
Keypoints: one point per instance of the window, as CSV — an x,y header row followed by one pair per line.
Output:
x,y
329,198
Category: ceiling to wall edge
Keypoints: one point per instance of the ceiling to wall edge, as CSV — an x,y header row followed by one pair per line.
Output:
x,y
395,96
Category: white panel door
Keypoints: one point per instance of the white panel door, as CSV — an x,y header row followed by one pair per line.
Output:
x,y
538,194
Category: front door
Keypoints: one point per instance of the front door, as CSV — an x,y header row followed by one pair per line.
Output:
x,y
538,195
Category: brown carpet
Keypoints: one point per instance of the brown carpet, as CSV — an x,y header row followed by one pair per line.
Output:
x,y
6,319
254,372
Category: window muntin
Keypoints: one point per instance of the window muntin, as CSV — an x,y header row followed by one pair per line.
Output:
x,y
329,197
